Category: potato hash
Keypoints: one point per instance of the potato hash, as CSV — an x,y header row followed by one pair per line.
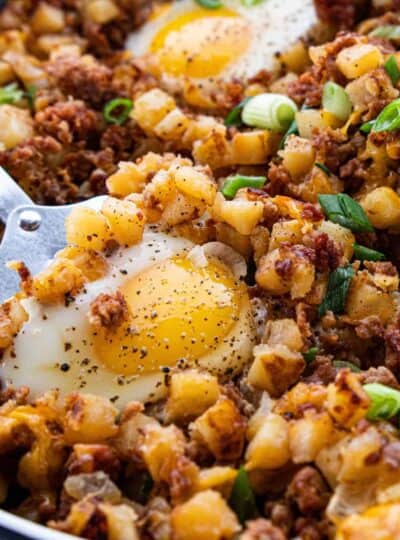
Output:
x,y
215,354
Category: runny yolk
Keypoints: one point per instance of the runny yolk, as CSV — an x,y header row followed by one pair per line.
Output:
x,y
178,312
201,43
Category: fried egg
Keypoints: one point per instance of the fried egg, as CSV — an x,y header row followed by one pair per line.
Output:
x,y
180,314
234,41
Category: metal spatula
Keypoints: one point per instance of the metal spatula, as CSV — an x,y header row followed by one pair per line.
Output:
x,y
33,233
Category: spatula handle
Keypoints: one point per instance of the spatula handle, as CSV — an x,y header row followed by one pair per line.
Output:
x,y
11,195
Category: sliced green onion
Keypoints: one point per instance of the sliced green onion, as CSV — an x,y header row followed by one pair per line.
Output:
x,y
389,118
249,3
385,401
392,69
388,31
238,181
310,355
338,288
209,4
345,211
363,253
340,364
31,95
293,130
242,499
323,168
336,101
269,111
234,117
117,110
10,94
368,126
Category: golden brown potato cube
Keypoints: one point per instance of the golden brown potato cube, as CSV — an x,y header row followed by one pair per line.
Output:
x,y
191,393
283,332
59,279
89,419
150,108
275,368
269,448
354,61
239,242
222,429
218,478
206,516
383,519
128,179
308,435
355,466
346,401
240,214
342,236
87,228
101,11
172,126
12,317
365,299
195,183
253,147
182,208
290,231
296,58
308,121
298,156
214,150
125,220
92,264
47,19
6,73
16,126
382,206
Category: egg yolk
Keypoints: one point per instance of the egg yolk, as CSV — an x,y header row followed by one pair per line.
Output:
x,y
201,43
178,312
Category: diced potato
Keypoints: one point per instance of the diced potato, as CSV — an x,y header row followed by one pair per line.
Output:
x,y
239,242
298,156
128,179
253,147
59,279
290,231
308,121
342,236
6,73
218,478
89,419
199,129
182,208
295,58
381,521
191,393
284,332
267,276
172,126
355,454
150,108
206,516
12,317
318,183
275,368
125,220
259,239
195,183
269,448
92,264
240,214
308,435
120,521
382,206
101,11
222,429
87,228
16,126
366,300
214,150
302,394
354,61
27,68
346,401
47,19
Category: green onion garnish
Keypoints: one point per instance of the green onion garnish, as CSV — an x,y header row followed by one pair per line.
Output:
x,y
389,118
242,500
385,401
338,288
367,127
10,94
323,168
392,69
31,95
238,181
310,355
269,111
336,101
340,364
345,211
209,4
117,110
363,253
234,117
249,3
388,31
293,130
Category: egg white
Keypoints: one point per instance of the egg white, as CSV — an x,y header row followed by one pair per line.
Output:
x,y
58,336
274,25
